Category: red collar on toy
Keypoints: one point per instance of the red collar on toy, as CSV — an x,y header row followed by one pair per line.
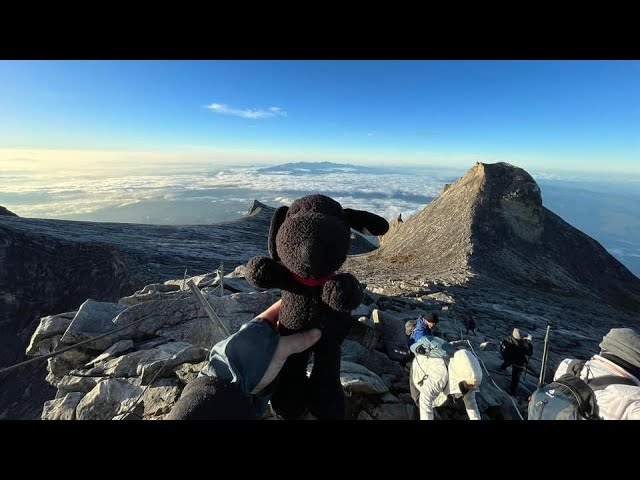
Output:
x,y
312,282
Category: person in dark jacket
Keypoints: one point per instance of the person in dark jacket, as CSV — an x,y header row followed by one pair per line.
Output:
x,y
470,324
234,383
515,350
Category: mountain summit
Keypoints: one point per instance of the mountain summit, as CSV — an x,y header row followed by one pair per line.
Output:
x,y
492,223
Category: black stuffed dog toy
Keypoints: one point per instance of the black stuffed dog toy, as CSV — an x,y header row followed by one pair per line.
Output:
x,y
308,242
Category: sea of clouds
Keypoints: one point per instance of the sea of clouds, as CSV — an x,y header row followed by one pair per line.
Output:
x,y
193,194
384,191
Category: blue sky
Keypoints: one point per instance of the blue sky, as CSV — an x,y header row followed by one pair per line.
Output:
x,y
570,115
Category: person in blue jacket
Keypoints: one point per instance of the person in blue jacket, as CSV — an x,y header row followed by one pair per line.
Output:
x,y
424,327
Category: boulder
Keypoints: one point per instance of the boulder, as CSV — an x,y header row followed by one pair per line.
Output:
x,y
186,372
160,397
63,363
79,384
108,399
373,360
357,379
238,272
147,362
233,311
62,408
113,351
93,319
51,326
236,285
44,347
200,332
393,335
206,280
154,291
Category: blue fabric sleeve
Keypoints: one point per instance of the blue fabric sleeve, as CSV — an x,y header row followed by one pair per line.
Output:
x,y
421,330
243,358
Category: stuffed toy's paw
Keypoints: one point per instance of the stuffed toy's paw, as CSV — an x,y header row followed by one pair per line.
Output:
x,y
264,272
343,292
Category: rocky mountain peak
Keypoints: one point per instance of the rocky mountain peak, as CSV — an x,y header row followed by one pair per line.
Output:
x,y
511,193
4,211
257,206
505,182
491,223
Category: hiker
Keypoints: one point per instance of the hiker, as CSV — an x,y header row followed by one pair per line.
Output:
x,y
233,383
619,356
516,350
435,381
469,323
425,325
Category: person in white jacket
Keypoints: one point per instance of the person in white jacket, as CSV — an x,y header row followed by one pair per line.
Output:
x,y
619,356
431,380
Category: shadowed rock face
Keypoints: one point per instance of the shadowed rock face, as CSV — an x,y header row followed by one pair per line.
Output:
x,y
520,241
4,211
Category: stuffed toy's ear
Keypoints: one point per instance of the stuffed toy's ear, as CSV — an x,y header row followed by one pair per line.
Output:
x,y
366,223
276,222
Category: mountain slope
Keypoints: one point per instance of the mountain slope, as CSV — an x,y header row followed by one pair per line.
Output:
x,y
491,222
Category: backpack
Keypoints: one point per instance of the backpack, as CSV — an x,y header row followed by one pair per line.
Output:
x,y
409,327
433,347
569,397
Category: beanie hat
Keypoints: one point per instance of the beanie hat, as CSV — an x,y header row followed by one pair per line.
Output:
x,y
516,334
624,343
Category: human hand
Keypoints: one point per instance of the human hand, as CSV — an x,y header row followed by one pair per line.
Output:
x,y
288,345
254,355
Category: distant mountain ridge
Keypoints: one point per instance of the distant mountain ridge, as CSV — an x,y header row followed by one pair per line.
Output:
x,y
306,168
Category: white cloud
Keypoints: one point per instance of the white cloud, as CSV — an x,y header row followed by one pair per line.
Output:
x,y
387,194
247,112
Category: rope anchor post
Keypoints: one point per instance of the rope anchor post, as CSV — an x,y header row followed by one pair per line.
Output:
x,y
545,354
217,323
